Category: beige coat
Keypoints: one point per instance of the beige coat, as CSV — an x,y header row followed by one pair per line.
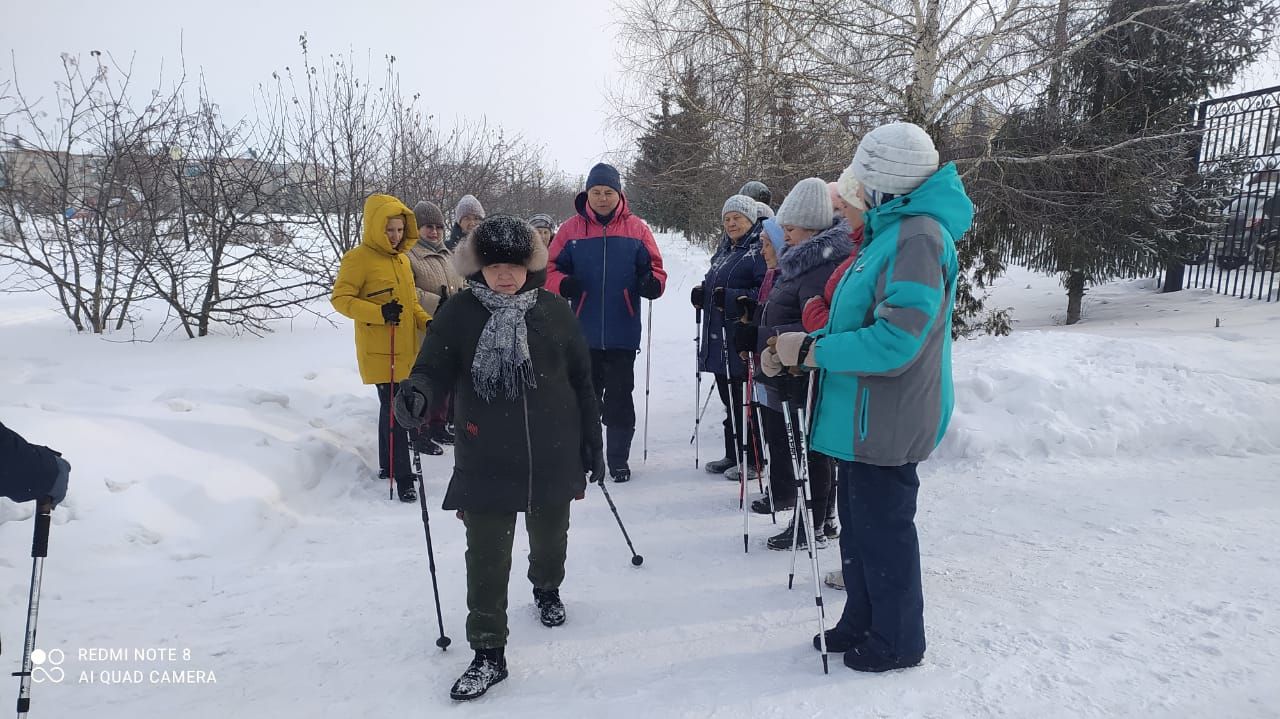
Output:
x,y
432,269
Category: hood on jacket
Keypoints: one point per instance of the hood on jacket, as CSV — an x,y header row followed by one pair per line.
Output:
x,y
377,210
941,197
580,204
831,244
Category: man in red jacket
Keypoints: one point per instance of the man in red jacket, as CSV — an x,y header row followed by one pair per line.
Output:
x,y
603,260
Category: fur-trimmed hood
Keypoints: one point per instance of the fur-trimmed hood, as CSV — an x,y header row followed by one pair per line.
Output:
x,y
831,244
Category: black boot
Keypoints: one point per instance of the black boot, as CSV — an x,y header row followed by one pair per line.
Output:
x,y
488,668
550,608
618,451
720,466
782,540
408,493
426,445
838,640
442,435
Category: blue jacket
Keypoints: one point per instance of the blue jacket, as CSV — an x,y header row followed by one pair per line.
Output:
x,y
885,355
609,261
739,268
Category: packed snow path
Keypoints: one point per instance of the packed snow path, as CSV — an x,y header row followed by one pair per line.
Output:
x,y
1098,533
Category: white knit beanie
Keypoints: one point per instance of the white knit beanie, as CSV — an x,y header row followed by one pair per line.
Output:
x,y
850,189
740,204
468,205
895,158
808,205
763,211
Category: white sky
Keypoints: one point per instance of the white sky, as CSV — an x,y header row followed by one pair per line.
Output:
x,y
536,67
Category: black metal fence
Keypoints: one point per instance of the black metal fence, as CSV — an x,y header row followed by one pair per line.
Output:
x,y
1241,134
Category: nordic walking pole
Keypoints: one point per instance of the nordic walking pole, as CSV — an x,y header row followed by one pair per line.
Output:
x,y
391,421
39,550
636,559
701,413
742,468
757,446
443,641
697,357
738,431
812,529
802,515
648,363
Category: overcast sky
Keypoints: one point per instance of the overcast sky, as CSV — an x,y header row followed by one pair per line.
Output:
x,y
537,67
540,67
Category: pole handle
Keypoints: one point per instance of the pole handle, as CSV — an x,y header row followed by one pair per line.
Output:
x,y
40,540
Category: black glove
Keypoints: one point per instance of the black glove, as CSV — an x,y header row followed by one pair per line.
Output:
x,y
594,457
571,288
745,337
413,397
59,490
717,298
444,297
391,312
649,287
746,306
695,297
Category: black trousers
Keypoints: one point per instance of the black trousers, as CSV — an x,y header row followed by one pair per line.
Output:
x,y
613,375
403,473
730,392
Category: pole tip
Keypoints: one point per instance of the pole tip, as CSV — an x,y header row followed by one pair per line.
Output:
x,y
443,642
637,560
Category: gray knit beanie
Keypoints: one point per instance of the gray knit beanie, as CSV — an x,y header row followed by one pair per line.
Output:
x,y
427,213
740,204
895,158
808,205
468,205
544,220
763,211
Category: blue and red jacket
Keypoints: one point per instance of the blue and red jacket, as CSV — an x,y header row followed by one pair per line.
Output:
x,y
609,261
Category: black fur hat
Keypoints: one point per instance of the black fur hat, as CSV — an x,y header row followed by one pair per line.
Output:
x,y
500,239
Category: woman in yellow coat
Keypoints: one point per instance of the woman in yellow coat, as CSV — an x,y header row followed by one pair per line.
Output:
x,y
374,288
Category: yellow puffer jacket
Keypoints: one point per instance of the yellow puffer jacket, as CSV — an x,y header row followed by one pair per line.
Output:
x,y
372,275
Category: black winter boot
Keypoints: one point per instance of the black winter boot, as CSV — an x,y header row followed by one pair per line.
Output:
x,y
720,466
488,668
442,435
838,641
782,540
426,445
550,608
618,449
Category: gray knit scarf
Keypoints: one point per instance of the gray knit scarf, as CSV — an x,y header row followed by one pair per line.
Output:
x,y
502,361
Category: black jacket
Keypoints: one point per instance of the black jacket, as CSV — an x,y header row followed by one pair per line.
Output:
x,y
455,236
27,471
511,455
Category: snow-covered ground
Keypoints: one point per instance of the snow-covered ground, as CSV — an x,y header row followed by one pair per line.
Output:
x,y
1099,533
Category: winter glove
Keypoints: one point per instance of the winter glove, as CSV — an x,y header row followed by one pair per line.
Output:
x,y
59,490
444,297
648,285
793,348
696,296
391,312
595,455
745,338
571,288
717,298
746,308
769,362
413,396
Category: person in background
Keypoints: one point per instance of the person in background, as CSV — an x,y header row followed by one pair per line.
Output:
x,y
604,260
515,359
436,281
757,191
736,271
375,288
885,393
466,216
849,205
545,226
815,245
31,471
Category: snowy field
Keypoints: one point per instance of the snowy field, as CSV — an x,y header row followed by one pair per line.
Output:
x,y
1099,533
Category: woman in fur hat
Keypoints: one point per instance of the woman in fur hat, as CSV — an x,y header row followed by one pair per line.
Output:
x,y
528,427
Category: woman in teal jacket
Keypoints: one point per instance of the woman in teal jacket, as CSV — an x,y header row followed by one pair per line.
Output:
x,y
885,393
